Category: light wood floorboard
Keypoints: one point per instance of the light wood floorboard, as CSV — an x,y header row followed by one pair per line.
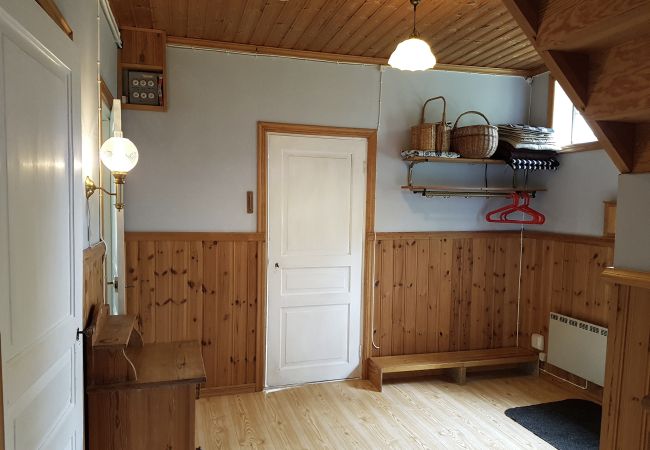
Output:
x,y
419,413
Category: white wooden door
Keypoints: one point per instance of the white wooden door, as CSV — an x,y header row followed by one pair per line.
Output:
x,y
316,210
40,231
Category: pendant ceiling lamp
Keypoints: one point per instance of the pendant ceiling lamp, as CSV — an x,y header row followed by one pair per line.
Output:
x,y
413,53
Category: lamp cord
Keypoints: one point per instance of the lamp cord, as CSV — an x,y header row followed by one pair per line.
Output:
x,y
415,6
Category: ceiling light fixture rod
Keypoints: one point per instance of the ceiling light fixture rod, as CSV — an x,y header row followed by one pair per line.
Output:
x,y
415,4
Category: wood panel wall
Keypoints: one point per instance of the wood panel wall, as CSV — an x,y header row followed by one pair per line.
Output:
x,y
626,406
199,286
433,292
562,273
436,292
94,278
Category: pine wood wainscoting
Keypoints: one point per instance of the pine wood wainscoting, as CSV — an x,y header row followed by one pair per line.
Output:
x,y
200,286
626,405
433,291
94,278
450,291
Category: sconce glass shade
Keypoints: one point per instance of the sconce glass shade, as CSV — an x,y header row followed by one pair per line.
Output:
x,y
119,154
412,54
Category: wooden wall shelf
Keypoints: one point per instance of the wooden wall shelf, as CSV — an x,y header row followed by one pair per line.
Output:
x,y
459,191
436,159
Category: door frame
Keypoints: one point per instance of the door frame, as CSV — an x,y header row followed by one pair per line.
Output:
x,y
263,129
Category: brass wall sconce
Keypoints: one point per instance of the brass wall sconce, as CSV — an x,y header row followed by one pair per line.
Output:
x,y
119,155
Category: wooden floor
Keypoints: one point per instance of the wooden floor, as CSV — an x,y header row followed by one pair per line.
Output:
x,y
422,413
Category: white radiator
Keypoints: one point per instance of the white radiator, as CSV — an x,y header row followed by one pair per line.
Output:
x,y
578,347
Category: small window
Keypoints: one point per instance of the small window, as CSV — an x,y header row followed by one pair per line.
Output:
x,y
569,125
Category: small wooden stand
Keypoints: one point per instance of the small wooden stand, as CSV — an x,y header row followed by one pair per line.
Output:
x,y
140,397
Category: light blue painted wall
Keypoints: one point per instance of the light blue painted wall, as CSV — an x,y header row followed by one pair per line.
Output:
x,y
199,158
574,201
633,223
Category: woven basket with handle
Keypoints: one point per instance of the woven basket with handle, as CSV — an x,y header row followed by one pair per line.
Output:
x,y
432,136
474,141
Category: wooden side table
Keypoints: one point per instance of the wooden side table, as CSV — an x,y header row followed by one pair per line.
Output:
x,y
140,397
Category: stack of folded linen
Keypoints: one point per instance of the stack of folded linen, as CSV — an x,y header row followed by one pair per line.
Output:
x,y
527,147
528,137
428,154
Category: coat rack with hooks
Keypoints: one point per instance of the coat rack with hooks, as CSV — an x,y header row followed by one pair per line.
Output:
x,y
455,191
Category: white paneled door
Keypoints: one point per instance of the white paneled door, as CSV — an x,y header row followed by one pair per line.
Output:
x,y
40,231
316,210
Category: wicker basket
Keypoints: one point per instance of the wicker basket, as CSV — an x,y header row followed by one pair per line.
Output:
x,y
475,141
432,136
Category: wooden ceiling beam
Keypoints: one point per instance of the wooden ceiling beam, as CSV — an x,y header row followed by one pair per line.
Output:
x,y
573,74
526,14
592,24
642,150
619,82
572,70
619,139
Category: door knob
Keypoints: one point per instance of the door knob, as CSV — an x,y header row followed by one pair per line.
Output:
x,y
277,266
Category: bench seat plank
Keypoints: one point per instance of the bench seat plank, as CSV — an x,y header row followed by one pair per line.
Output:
x,y
380,365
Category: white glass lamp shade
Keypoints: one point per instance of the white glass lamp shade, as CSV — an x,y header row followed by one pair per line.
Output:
x,y
119,154
412,54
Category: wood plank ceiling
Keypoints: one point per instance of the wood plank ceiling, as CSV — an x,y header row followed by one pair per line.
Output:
x,y
476,33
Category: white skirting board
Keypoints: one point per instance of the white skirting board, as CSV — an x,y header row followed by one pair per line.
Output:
x,y
578,347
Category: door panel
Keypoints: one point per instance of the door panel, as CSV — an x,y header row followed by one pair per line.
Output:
x,y
316,213
316,218
40,239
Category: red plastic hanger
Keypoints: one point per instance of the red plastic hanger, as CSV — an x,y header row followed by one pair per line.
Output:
x,y
536,218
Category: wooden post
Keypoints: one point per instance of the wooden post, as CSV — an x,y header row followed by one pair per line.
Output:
x,y
459,374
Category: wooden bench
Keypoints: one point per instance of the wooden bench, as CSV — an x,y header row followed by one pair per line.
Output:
x,y
456,363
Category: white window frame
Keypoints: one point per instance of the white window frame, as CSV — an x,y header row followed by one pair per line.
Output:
x,y
573,148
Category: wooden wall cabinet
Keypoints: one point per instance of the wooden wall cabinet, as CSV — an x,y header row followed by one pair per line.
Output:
x,y
142,50
626,406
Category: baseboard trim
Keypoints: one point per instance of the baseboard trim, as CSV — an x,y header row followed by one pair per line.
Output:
x,y
227,390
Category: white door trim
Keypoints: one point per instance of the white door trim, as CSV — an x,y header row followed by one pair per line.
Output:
x,y
263,129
